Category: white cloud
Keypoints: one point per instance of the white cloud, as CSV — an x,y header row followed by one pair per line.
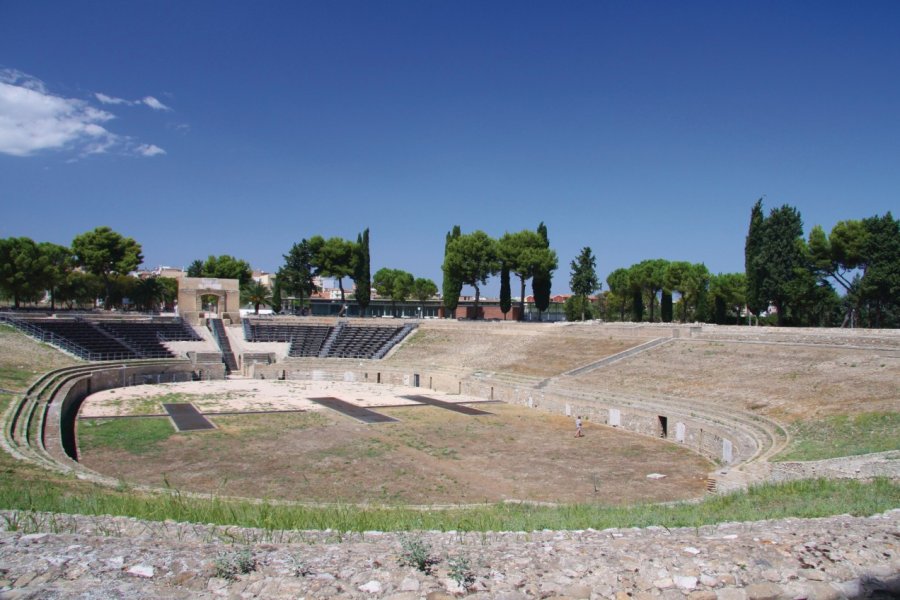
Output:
x,y
154,103
16,77
149,101
104,99
33,120
150,150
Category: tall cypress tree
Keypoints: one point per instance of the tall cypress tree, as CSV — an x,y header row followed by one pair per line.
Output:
x,y
665,306
584,280
276,297
637,305
452,286
541,281
505,292
752,263
781,255
363,274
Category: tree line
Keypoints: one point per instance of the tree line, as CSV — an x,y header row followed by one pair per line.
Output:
x,y
645,290
315,257
470,259
788,280
95,266
797,278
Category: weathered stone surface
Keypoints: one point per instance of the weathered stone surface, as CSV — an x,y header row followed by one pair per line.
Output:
x,y
763,591
102,557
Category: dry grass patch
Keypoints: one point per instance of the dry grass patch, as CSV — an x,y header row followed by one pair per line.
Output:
x,y
430,456
538,350
788,383
22,359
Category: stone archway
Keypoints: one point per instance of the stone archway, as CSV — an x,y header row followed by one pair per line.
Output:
x,y
196,294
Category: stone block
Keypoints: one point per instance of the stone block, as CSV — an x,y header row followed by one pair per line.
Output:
x,y
763,591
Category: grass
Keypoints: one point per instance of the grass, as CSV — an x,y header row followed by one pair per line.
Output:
x,y
12,378
843,435
26,487
23,359
250,425
806,499
135,436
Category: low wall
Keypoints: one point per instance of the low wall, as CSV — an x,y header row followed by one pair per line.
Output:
x,y
60,420
722,442
867,466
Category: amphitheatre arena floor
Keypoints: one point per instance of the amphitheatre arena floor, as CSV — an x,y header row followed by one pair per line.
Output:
x,y
430,455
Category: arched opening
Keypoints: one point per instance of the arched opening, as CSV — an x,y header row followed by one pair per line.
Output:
x,y
209,303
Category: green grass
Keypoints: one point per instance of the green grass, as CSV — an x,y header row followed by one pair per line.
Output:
x,y
807,499
136,436
843,435
12,378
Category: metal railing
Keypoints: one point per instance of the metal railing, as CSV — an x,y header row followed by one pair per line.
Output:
x,y
66,345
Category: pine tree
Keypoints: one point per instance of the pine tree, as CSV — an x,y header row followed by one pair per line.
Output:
x,y
471,259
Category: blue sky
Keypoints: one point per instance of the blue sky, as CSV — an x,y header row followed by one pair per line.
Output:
x,y
640,129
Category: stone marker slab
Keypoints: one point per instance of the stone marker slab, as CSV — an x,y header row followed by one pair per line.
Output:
x,y
187,417
360,413
460,408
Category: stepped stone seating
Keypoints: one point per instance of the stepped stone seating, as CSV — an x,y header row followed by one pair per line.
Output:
x,y
84,335
361,342
109,339
147,336
306,339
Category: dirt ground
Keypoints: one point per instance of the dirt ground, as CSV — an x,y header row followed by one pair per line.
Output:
x,y
431,455
523,349
784,382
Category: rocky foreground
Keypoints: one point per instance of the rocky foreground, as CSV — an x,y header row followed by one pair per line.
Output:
x,y
60,556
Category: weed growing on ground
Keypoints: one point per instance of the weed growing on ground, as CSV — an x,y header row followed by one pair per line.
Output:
x,y
301,569
460,571
231,564
416,552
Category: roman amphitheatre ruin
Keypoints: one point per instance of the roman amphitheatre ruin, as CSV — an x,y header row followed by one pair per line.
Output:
x,y
438,413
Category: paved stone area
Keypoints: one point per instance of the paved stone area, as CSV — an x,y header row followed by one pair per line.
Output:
x,y
61,556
